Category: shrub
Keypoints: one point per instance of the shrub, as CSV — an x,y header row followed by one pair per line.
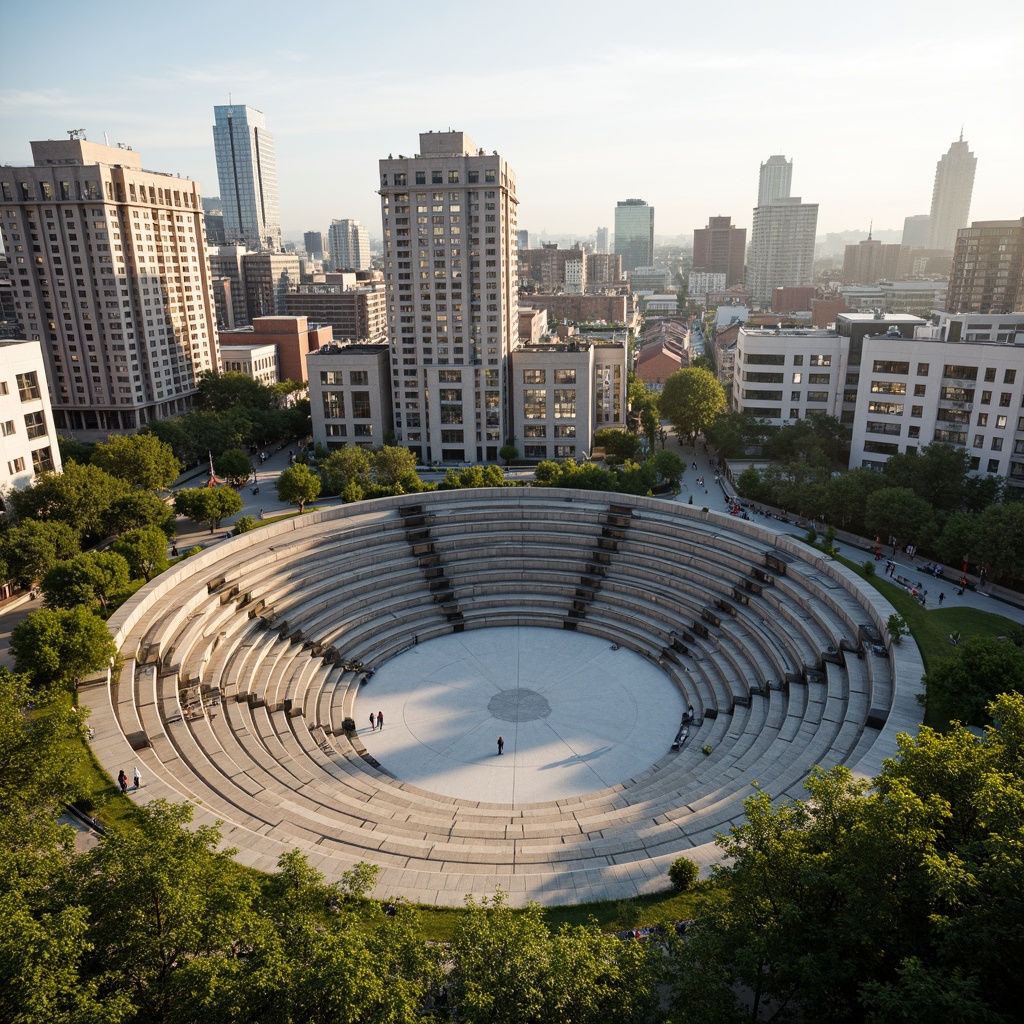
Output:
x,y
897,627
683,873
243,524
869,568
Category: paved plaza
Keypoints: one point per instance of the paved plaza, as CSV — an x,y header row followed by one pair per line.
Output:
x,y
575,715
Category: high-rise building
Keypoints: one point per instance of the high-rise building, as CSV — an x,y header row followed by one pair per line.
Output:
x,y
781,247
871,261
314,243
28,442
247,172
356,309
348,243
523,239
449,220
951,196
601,244
268,277
720,248
775,181
110,276
917,231
988,268
634,233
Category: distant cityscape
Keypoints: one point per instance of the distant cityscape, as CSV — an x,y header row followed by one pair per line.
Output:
x,y
456,331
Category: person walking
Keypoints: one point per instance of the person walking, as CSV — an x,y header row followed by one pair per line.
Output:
x,y
122,781
373,721
501,744
137,777
380,719
942,596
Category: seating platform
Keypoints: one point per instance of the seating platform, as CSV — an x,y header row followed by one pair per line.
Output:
x,y
581,627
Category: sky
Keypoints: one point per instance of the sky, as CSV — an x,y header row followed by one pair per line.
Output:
x,y
676,103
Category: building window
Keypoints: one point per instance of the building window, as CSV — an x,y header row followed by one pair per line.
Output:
x,y
997,444
890,366
363,430
334,405
535,430
888,387
42,460
535,403
990,375
1009,376
565,451
453,437
565,403
565,376
449,376
920,390
1004,400
534,376
28,386
565,430
817,396
7,428
35,424
536,451
993,465
798,378
336,429
922,369
361,405
821,360
359,377
16,466
819,378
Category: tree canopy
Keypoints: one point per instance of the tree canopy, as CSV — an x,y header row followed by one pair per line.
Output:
x,y
61,646
141,460
691,399
298,485
33,547
93,576
207,506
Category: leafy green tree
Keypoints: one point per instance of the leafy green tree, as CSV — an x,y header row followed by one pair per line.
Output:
x,y
57,646
669,467
207,505
899,512
142,460
959,540
89,577
845,497
691,399
346,471
508,453
221,392
80,496
980,668
472,476
145,551
637,477
233,465
395,467
73,450
297,485
1000,541
585,476
33,547
935,473
732,433
618,445
137,510
643,405
171,915
683,873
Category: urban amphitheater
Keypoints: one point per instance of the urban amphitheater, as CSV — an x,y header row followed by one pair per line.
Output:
x,y
580,627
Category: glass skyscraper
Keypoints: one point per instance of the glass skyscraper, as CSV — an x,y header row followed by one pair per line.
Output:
x,y
634,233
247,172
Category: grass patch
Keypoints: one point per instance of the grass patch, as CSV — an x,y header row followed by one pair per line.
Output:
x,y
99,796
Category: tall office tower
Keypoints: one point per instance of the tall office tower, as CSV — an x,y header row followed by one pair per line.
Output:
x,y
247,172
601,244
634,233
917,231
781,247
450,273
348,243
523,239
951,196
988,268
213,218
268,277
110,274
776,180
720,248
314,243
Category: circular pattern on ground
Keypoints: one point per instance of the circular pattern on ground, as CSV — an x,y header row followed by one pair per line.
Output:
x,y
582,724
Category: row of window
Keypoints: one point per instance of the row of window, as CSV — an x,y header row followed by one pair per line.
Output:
x,y
35,426
437,177
42,462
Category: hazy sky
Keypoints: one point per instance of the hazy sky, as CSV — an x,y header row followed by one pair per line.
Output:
x,y
591,102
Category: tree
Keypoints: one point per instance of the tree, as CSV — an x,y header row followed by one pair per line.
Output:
x,y
472,476
73,450
636,477
346,471
142,460
221,392
669,467
845,497
80,496
33,547
618,445
508,453
899,512
395,467
137,510
208,505
691,399
145,551
297,485
732,433
1000,541
958,543
57,646
643,405
935,473
896,625
233,465
86,578
978,670
585,476
683,873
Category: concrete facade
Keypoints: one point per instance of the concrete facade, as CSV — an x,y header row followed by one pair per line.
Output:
x,y
256,359
781,247
268,277
350,395
988,268
109,272
720,248
951,195
357,312
349,245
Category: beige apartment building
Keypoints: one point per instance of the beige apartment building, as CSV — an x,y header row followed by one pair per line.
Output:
x,y
450,269
350,395
110,275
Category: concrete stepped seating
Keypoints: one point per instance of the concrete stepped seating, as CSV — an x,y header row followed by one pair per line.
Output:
x,y
273,620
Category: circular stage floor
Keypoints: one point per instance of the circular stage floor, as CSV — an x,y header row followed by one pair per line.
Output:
x,y
575,715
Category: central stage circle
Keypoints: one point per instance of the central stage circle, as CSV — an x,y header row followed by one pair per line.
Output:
x,y
575,715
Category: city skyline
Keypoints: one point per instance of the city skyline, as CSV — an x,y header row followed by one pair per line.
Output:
x,y
332,125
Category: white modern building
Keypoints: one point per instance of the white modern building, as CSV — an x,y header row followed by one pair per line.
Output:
x,y
28,440
348,243
951,195
775,180
450,261
702,282
781,247
247,175
256,360
109,273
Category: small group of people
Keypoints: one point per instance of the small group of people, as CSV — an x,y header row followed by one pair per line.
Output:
x,y
122,780
377,721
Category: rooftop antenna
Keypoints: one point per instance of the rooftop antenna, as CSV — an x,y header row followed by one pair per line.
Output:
x,y
871,225
74,134
961,133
